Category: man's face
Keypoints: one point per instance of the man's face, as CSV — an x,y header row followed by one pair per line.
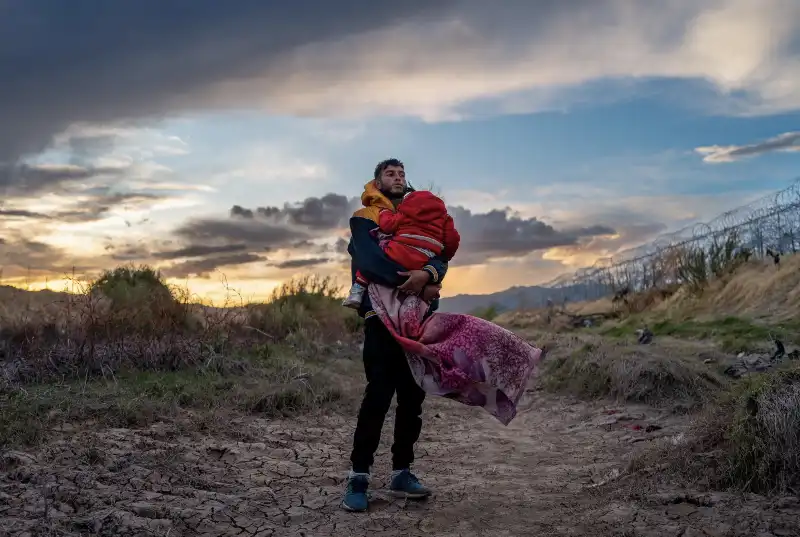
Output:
x,y
393,180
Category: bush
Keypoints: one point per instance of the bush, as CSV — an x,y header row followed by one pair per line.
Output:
x,y
136,299
308,307
748,440
127,286
124,354
488,313
636,374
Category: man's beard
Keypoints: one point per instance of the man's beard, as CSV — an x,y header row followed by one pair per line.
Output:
x,y
395,196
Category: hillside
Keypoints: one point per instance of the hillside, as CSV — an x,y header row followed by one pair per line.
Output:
x,y
518,297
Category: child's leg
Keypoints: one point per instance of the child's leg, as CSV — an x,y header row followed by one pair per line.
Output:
x,y
356,294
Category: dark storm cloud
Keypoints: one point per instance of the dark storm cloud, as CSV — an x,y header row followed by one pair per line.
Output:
x,y
99,61
259,234
202,267
19,213
247,231
498,233
20,257
26,180
92,208
328,212
97,207
198,250
291,226
341,245
301,263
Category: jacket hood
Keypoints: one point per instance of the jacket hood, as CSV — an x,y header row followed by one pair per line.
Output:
x,y
372,197
424,206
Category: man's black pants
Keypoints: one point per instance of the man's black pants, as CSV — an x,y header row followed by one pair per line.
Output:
x,y
387,372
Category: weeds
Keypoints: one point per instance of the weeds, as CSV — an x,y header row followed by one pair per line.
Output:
x,y
748,440
130,350
635,374
488,313
731,334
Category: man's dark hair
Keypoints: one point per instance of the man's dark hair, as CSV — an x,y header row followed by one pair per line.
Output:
x,y
385,164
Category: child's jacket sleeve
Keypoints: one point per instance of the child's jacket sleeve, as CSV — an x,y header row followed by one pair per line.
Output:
x,y
389,221
452,239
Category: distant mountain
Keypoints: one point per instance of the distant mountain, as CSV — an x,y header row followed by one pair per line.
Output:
x,y
522,298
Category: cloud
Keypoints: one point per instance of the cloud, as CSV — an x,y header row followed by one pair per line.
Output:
x,y
497,233
585,253
254,233
328,212
309,233
500,233
177,54
200,251
201,268
22,257
292,227
85,208
788,141
30,179
302,263
308,58
21,213
518,57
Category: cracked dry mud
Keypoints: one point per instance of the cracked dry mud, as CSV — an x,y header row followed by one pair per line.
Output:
x,y
539,476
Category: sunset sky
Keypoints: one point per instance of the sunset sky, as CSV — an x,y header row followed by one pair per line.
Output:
x,y
153,131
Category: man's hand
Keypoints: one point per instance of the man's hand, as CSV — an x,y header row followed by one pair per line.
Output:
x,y
431,292
417,279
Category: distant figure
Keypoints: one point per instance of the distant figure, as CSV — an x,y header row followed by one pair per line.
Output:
x,y
776,257
644,336
621,295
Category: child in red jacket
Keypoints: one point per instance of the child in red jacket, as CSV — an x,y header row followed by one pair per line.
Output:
x,y
420,229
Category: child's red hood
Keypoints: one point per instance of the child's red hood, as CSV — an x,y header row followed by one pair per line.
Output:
x,y
423,206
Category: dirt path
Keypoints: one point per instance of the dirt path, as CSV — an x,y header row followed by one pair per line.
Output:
x,y
533,478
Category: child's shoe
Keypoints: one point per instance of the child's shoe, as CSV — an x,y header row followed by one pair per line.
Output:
x,y
355,297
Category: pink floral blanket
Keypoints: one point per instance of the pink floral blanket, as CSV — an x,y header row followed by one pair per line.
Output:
x,y
461,357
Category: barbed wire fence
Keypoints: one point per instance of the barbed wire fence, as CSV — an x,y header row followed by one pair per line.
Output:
x,y
765,227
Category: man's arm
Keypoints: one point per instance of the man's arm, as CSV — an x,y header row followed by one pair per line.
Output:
x,y
375,265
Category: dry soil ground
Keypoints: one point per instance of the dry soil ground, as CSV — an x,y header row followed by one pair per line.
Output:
x,y
542,475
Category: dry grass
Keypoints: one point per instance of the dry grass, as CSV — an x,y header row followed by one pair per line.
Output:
x,y
757,289
747,436
593,367
749,440
129,350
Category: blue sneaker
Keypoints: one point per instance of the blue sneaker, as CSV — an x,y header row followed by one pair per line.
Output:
x,y
406,485
355,497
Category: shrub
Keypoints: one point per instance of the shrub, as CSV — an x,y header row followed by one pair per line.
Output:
x,y
309,307
135,299
747,440
489,312
124,354
636,374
